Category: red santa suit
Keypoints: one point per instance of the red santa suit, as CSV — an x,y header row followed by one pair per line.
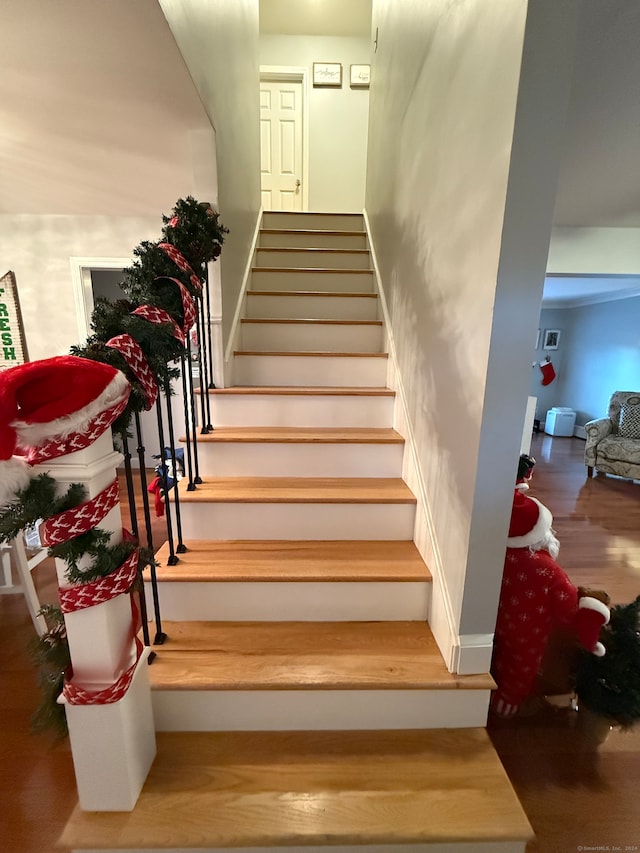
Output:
x,y
536,596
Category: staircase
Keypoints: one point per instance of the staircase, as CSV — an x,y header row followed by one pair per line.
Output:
x,y
300,700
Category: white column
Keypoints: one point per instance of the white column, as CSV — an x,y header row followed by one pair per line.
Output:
x,y
113,745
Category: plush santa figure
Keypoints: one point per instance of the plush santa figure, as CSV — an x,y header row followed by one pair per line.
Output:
x,y
536,597
57,405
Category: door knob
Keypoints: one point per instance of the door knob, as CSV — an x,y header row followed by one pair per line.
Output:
x,y
298,185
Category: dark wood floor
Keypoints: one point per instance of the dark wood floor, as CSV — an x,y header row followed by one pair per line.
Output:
x,y
578,798
574,797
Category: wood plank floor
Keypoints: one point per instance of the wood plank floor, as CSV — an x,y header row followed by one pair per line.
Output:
x,y
572,796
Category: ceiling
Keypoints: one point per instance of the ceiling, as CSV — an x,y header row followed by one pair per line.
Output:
x,y
94,109
561,291
315,17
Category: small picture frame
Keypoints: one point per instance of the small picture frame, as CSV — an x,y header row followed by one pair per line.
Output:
x,y
359,76
551,339
327,75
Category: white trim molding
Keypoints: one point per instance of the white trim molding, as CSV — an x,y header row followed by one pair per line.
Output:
x,y
234,334
82,289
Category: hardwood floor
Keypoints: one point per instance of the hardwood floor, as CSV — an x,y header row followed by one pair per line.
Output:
x,y
573,796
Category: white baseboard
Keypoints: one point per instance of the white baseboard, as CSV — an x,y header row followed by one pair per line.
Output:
x,y
579,432
234,334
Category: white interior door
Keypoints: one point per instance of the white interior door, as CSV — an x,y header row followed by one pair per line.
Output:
x,y
281,144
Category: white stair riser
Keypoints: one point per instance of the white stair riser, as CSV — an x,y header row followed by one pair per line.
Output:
x,y
297,521
311,307
338,281
270,459
307,337
327,221
292,601
311,259
302,371
306,240
301,411
317,710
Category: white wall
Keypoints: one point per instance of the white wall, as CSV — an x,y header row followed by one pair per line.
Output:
x,y
219,43
602,251
461,225
38,248
338,118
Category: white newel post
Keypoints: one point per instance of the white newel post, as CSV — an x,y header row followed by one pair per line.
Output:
x,y
113,745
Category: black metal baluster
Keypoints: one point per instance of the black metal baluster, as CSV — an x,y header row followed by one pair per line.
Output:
x,y
203,387
133,517
173,560
181,549
204,379
197,479
185,364
160,636
210,346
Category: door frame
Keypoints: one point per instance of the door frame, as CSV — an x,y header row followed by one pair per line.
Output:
x,y
301,75
82,288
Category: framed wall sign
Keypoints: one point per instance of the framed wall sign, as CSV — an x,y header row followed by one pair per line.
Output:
x,y
551,339
360,76
13,348
327,74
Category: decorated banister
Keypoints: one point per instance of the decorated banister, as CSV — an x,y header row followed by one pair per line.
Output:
x,y
58,414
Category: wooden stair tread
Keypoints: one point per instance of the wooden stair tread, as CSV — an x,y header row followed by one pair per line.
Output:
x,y
321,293
312,249
331,270
310,322
374,490
306,391
312,354
296,560
329,232
253,789
303,435
304,655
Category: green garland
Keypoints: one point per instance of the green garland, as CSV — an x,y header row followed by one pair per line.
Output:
x,y
50,653
610,685
195,230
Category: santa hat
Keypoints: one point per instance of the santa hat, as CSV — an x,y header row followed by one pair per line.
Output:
x,y
592,616
50,399
530,521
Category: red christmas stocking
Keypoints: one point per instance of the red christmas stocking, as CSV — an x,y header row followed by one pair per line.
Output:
x,y
548,373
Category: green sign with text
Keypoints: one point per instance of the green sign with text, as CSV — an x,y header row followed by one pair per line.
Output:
x,y
13,349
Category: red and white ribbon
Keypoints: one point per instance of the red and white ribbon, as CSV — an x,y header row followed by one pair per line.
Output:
x,y
79,696
76,441
135,358
160,316
81,596
181,262
188,305
80,519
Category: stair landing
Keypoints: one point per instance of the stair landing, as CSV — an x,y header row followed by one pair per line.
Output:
x,y
336,791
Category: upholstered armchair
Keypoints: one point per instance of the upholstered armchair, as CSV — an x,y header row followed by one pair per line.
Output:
x,y
613,443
